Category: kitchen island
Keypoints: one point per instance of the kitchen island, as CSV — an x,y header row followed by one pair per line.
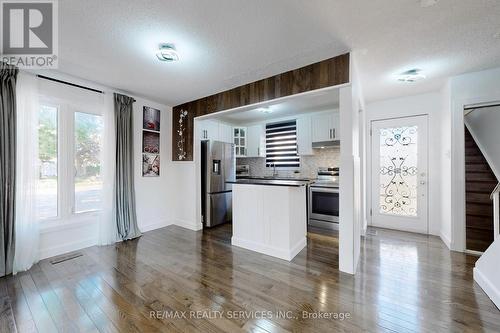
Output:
x,y
270,216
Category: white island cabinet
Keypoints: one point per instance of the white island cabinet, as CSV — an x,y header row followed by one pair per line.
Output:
x,y
270,219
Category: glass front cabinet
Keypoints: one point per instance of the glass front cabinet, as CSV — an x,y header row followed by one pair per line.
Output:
x,y
240,141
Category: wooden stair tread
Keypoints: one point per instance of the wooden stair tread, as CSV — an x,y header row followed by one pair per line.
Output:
x,y
479,183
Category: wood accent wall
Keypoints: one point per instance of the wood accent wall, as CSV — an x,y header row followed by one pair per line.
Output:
x,y
323,74
479,183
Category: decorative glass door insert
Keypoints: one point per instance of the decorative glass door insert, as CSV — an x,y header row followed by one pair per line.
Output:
x,y
399,171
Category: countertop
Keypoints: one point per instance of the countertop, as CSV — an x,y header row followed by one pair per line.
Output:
x,y
271,182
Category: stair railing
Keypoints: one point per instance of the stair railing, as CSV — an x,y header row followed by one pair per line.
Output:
x,y
495,196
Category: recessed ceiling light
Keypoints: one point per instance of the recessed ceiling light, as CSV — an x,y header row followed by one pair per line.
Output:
x,y
411,75
167,52
428,3
266,110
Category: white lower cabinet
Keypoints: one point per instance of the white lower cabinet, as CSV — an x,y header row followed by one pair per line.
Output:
x,y
270,219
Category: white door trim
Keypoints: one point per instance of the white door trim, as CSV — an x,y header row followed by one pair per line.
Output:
x,y
457,214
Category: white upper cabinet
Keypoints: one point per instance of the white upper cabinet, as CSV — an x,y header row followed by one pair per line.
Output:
x,y
304,135
215,130
336,126
240,141
325,127
255,141
225,133
209,130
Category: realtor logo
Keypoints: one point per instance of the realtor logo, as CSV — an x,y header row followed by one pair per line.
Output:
x,y
29,33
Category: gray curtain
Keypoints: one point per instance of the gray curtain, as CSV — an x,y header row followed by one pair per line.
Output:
x,y
124,193
8,76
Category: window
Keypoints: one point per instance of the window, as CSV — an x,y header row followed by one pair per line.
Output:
x,y
69,161
88,183
281,145
47,162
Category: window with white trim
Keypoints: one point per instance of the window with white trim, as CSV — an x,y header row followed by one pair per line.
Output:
x,y
281,145
69,161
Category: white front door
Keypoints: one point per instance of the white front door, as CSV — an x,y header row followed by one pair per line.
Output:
x,y
399,171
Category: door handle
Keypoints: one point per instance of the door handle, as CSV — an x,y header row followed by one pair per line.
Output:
x,y
422,182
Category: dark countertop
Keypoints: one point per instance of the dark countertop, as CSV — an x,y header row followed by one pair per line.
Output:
x,y
270,182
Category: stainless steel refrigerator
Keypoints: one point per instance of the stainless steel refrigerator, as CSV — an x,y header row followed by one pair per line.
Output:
x,y
218,164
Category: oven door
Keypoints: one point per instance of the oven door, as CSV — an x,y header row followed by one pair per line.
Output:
x,y
324,204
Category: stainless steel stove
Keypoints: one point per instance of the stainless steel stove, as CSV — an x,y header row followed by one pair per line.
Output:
x,y
324,199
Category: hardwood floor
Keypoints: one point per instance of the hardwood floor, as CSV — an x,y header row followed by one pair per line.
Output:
x,y
405,283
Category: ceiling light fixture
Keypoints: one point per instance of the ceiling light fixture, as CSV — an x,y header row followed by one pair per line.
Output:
x,y
412,75
266,110
167,52
428,3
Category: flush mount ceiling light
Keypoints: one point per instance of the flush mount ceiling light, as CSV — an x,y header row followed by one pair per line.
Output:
x,y
428,3
412,75
167,52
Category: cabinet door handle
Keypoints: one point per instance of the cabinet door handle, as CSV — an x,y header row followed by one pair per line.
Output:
x,y
334,136
330,133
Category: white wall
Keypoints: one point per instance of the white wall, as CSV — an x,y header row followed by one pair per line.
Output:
x,y
483,125
445,164
351,105
186,210
154,196
426,104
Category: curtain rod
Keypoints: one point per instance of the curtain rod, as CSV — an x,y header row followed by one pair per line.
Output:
x,y
72,84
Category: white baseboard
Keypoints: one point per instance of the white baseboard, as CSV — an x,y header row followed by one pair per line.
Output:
x,y
191,225
269,250
65,248
156,225
445,240
298,247
488,287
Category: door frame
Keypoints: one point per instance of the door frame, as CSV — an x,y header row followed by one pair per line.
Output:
x,y
369,183
457,156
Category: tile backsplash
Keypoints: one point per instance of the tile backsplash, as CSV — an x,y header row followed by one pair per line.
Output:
x,y
308,164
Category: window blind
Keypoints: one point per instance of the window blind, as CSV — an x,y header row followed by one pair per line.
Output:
x,y
281,145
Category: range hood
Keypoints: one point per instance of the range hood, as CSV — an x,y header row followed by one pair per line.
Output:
x,y
326,144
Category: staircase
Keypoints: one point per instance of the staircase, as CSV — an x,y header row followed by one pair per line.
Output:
x,y
479,184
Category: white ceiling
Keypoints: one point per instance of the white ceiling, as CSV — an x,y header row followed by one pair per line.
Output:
x,y
296,104
226,43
